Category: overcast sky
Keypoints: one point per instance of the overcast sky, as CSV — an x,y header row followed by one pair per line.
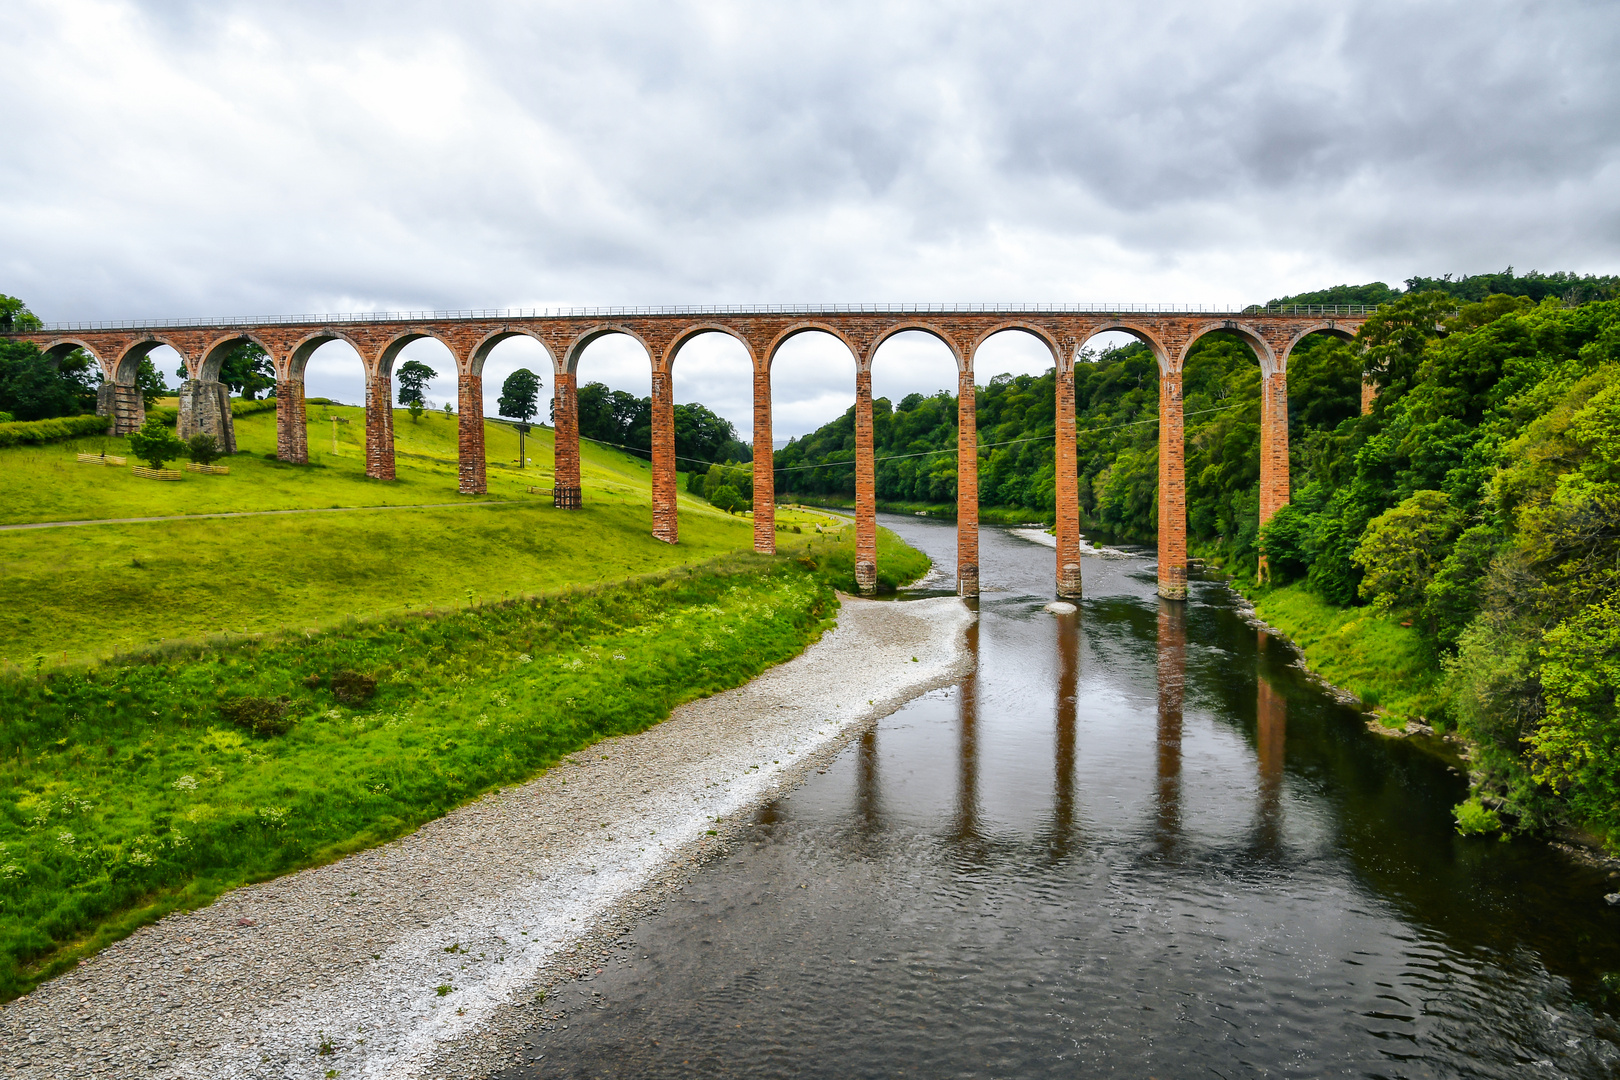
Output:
x,y
219,158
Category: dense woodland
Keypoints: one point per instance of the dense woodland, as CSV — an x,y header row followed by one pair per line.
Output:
x,y
1478,502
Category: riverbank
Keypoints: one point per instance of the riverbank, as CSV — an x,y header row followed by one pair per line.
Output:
x,y
1384,665
407,959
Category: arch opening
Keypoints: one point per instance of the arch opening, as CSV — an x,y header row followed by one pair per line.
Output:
x,y
242,363
712,372
812,372
516,376
1015,372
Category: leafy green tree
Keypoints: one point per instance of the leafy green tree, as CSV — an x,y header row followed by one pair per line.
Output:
x,y
1576,747
15,316
203,449
1394,338
520,399
729,499
1402,547
149,381
155,444
34,386
247,369
520,396
413,377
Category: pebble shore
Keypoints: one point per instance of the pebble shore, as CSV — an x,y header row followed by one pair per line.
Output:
x,y
426,956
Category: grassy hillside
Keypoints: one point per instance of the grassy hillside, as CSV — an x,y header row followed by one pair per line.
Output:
x,y
85,593
134,788
45,483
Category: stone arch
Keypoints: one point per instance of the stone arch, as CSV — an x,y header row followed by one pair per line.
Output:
x,y
1018,326
1270,362
594,333
794,330
480,352
298,356
384,362
1326,326
60,347
213,354
687,334
1161,352
125,366
962,360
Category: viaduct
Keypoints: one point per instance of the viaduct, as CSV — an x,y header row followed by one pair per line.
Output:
x,y
470,335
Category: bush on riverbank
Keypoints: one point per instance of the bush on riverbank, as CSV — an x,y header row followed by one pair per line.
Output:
x,y
127,792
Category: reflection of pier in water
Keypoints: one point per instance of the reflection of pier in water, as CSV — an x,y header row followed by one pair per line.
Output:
x,y
1058,837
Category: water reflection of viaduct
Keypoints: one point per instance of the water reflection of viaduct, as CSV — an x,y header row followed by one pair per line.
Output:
x,y
1059,835
290,341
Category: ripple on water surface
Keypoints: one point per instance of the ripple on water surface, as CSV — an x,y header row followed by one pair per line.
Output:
x,y
1133,842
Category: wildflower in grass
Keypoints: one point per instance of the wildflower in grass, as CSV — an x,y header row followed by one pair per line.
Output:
x,y
273,816
65,838
524,658
10,871
185,783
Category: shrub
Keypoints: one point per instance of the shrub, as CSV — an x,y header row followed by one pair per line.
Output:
x,y
1474,819
729,499
351,688
204,448
155,444
17,433
261,716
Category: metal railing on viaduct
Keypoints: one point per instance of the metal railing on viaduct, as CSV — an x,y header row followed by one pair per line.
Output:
x,y
378,338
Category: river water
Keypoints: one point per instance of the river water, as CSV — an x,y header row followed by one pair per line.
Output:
x,y
1136,842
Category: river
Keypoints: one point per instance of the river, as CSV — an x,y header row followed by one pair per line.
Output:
x,y
1136,841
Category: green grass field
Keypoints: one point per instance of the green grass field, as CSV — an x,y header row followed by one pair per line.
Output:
x,y
80,594
125,792
1373,656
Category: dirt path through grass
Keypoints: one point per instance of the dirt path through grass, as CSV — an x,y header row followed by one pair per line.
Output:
x,y
249,513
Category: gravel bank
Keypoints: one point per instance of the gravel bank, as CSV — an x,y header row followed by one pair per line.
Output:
x,y
415,958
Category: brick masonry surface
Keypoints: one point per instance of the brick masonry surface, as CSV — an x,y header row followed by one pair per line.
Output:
x,y
205,403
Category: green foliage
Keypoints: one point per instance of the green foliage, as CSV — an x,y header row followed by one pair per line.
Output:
x,y
412,378
1401,548
520,396
1370,654
622,419
149,381
1473,819
155,444
729,499
34,386
203,449
15,316
23,433
246,368
123,795
1576,748
1563,286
